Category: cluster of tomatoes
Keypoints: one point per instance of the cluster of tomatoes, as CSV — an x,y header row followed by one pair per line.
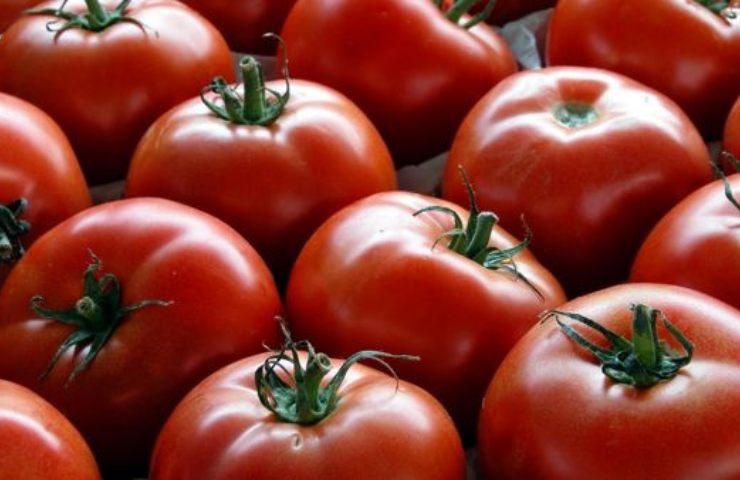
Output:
x,y
566,306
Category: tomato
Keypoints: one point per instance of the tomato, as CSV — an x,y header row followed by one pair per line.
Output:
x,y
551,413
274,183
11,10
375,427
697,245
105,88
410,69
191,295
375,276
37,442
681,48
244,23
38,169
591,159
731,137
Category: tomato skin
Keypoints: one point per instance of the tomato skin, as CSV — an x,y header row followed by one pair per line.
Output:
x,y
696,245
38,442
370,278
86,82
275,184
37,163
590,193
244,23
551,413
415,80
680,48
224,303
220,431
11,10
731,137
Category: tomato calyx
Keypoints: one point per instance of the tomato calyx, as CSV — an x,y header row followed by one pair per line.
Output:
x,y
305,401
575,114
723,8
732,160
458,8
11,229
642,362
96,19
95,316
253,107
471,240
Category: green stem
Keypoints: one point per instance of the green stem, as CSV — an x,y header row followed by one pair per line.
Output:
x,y
461,7
304,400
95,19
575,114
717,167
255,101
98,15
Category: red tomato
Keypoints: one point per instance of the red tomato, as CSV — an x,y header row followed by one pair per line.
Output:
x,y
244,23
697,245
220,306
591,159
411,70
274,184
380,428
680,48
37,442
37,164
105,88
371,276
11,10
731,137
551,413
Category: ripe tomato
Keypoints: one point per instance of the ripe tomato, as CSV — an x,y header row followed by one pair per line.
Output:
x,y
375,276
243,24
37,169
38,442
11,10
380,427
215,303
414,72
105,88
680,48
731,137
591,159
275,183
551,413
697,245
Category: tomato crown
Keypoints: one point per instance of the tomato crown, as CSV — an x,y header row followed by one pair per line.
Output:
x,y
95,316
458,8
305,400
722,8
642,362
11,229
732,160
96,19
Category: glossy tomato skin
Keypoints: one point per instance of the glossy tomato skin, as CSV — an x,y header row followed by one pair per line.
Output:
x,y
105,89
243,24
12,10
680,48
274,184
731,137
370,278
413,72
590,192
37,163
38,442
223,307
696,245
381,428
551,413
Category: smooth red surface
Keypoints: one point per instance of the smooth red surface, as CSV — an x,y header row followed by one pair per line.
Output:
x,y
12,10
370,278
37,442
274,184
551,413
731,137
680,48
590,193
381,428
412,71
37,163
105,89
224,303
243,23
697,245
